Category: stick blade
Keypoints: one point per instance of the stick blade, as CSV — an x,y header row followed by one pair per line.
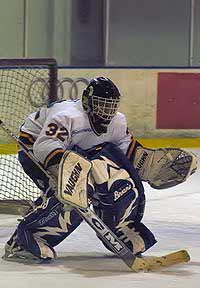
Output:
x,y
153,263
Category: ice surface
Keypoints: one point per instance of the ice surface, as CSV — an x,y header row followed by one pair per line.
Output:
x,y
172,214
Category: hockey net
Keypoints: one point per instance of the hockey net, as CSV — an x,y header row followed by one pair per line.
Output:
x,y
25,85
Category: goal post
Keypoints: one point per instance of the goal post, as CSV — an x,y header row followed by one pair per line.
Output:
x,y
25,85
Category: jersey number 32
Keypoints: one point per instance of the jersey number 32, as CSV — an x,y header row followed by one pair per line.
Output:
x,y
59,132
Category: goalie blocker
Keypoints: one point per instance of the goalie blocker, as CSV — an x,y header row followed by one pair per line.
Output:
x,y
72,179
164,167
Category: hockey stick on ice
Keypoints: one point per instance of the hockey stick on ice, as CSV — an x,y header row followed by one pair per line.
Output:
x,y
107,236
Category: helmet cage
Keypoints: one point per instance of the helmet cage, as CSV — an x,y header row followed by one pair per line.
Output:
x,y
104,108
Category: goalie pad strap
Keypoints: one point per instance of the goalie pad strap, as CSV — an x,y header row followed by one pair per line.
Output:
x,y
132,149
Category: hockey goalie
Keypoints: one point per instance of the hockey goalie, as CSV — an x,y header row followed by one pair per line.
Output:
x,y
114,185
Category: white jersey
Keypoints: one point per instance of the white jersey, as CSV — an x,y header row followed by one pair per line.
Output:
x,y
52,130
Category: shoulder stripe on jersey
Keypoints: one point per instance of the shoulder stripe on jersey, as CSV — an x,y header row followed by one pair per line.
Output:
x,y
53,157
29,137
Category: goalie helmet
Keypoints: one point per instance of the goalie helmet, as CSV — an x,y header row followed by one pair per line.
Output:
x,y
100,100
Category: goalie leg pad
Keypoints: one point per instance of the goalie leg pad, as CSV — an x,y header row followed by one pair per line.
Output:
x,y
43,228
120,203
29,242
122,213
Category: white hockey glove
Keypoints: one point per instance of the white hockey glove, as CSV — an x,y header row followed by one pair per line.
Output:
x,y
164,168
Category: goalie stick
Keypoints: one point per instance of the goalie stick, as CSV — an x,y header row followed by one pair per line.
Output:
x,y
115,244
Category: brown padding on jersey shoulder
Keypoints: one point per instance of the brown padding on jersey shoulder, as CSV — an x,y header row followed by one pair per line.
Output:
x,y
54,157
132,148
26,138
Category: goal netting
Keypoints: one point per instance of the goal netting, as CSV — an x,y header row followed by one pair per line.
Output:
x,y
25,85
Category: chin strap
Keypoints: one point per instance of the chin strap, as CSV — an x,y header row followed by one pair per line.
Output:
x,y
97,126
